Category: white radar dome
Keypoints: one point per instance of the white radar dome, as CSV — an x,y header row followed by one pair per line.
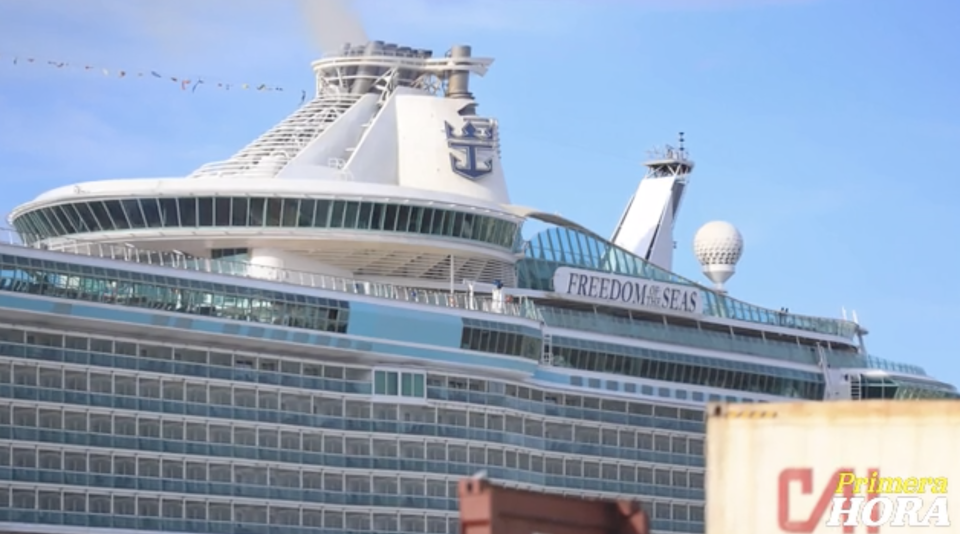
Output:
x,y
718,246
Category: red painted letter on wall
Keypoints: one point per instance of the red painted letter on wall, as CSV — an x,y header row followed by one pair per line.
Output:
x,y
804,475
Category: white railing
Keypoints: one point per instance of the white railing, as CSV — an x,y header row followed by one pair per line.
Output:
x,y
282,142
175,260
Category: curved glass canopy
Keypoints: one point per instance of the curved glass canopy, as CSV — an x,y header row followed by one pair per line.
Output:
x,y
886,387
567,247
74,218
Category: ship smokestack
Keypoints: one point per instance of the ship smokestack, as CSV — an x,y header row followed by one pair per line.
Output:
x,y
406,75
458,81
366,74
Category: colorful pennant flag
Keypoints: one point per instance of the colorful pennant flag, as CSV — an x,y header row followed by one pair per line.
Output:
x,y
184,83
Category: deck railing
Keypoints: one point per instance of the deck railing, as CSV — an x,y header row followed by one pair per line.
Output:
x,y
177,260
504,305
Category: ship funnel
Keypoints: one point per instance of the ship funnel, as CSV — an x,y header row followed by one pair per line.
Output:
x,y
366,74
458,81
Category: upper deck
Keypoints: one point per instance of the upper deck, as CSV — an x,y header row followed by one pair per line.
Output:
x,y
559,247
524,307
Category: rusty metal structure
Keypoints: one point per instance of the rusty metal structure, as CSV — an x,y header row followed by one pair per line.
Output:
x,y
486,508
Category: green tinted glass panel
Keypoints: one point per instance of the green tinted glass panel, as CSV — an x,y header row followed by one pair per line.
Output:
x,y
219,212
126,288
392,386
418,386
380,383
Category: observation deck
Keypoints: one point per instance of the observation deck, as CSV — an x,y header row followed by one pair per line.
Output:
x,y
323,227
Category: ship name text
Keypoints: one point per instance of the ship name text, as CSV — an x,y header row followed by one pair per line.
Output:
x,y
624,291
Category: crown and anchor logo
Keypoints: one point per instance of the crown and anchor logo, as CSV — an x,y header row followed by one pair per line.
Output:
x,y
472,147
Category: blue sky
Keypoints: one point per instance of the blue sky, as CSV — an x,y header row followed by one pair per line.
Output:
x,y
826,130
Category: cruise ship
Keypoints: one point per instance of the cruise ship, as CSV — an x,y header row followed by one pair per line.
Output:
x,y
324,332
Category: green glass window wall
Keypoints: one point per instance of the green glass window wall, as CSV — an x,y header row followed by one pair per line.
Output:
x,y
127,288
399,384
686,369
631,327
77,218
890,388
501,338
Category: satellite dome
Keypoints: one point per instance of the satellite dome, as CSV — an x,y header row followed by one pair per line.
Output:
x,y
718,246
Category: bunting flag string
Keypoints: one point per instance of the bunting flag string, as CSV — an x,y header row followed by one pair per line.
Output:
x,y
185,83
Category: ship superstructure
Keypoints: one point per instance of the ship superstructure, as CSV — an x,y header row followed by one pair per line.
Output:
x,y
324,332
387,174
